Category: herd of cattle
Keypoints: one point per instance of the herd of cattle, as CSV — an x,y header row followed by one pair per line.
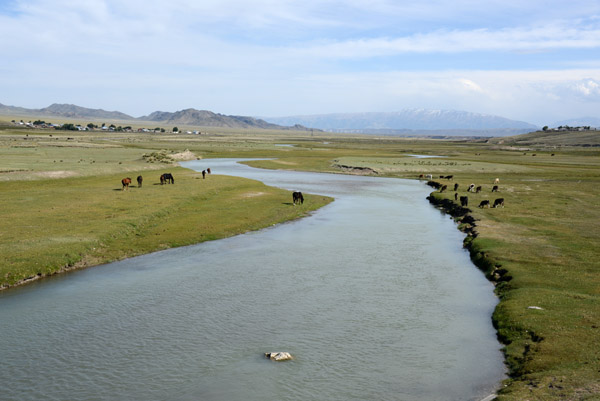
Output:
x,y
166,178
464,200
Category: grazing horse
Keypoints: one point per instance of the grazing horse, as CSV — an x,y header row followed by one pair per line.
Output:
x,y
208,170
499,203
167,178
484,203
139,180
203,174
478,189
497,181
126,182
297,197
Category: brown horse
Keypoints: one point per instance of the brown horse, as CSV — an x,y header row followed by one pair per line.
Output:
x,y
208,170
126,182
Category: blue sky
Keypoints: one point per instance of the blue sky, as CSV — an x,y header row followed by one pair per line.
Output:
x,y
536,61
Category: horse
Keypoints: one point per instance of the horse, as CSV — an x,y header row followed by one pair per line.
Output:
x,y
167,178
139,180
126,182
297,197
203,174
208,170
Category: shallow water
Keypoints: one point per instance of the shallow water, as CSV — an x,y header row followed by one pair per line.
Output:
x,y
373,295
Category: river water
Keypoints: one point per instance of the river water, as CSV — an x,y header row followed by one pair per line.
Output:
x,y
373,295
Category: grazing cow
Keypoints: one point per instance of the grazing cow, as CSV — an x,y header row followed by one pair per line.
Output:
x,y
140,179
449,177
442,176
167,178
126,182
208,170
456,196
478,189
471,188
495,188
464,201
297,197
484,203
497,181
499,202
443,188
203,174
455,187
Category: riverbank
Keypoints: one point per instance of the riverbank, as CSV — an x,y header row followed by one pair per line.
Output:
x,y
66,224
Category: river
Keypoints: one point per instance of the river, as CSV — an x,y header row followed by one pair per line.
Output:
x,y
372,294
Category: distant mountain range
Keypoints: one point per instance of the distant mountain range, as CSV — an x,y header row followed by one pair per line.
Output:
x,y
407,122
408,119
189,117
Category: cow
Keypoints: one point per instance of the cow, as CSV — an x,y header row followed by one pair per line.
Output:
x,y
126,182
203,174
455,187
443,188
497,181
421,176
464,201
499,202
484,203
449,177
167,178
140,179
456,196
429,177
471,188
297,197
495,188
478,189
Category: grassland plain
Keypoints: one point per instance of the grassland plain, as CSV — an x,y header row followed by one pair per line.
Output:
x,y
541,249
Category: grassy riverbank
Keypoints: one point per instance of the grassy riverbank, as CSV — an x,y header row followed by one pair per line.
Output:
x,y
544,244
63,206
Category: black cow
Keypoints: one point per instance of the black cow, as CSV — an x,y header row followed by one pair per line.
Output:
x,y
478,189
456,196
449,177
455,187
471,188
464,201
443,188
484,203
203,174
499,202
495,188
297,197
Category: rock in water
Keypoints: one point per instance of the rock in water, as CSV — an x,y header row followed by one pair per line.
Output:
x,y
278,356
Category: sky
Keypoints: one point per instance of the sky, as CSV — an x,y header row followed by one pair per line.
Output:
x,y
534,61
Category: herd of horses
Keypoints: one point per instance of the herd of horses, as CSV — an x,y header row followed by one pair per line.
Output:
x,y
166,178
464,200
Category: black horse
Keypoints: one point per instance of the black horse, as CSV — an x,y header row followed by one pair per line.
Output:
x,y
167,178
297,197
140,180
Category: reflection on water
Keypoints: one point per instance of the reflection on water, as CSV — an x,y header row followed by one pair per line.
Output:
x,y
373,294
